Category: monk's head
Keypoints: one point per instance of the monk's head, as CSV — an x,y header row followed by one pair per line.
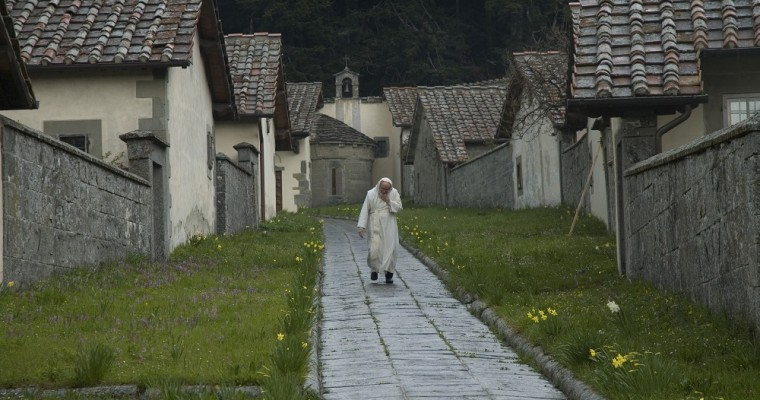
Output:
x,y
385,187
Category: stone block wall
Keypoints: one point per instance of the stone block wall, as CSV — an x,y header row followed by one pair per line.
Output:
x,y
693,221
235,197
575,161
63,208
485,182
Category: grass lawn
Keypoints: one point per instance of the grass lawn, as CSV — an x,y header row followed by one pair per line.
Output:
x,y
224,310
624,338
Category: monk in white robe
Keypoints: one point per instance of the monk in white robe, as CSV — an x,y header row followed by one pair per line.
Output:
x,y
378,221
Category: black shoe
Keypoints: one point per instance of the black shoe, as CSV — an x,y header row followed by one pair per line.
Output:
x,y
373,276
389,277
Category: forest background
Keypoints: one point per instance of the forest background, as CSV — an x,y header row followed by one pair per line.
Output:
x,y
399,42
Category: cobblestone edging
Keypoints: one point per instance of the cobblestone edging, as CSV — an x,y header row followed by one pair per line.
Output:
x,y
118,392
556,373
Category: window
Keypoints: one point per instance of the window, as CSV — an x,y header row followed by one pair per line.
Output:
x,y
334,189
79,141
519,177
381,150
738,108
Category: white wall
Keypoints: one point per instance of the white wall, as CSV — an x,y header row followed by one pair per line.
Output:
x,y
266,154
191,182
291,162
106,96
2,240
533,141
685,132
230,133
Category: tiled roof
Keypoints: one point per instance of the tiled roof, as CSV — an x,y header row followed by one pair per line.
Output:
x,y
401,102
489,82
328,130
15,87
304,99
256,68
461,114
628,48
97,31
546,77
121,33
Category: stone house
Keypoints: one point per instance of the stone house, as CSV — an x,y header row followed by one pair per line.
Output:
x,y
150,69
370,116
342,158
304,102
674,88
261,103
401,102
450,126
533,118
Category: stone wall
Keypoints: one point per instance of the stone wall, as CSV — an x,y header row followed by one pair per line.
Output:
x,y
340,174
692,216
575,161
235,197
486,181
63,208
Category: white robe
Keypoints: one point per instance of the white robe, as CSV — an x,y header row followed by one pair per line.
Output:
x,y
379,220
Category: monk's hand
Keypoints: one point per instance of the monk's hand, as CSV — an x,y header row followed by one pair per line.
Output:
x,y
361,233
384,197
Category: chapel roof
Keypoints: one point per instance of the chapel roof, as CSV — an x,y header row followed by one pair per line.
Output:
x,y
328,130
461,114
643,48
68,34
304,99
15,86
401,102
256,70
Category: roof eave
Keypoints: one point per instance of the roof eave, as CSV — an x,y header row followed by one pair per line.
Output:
x,y
628,106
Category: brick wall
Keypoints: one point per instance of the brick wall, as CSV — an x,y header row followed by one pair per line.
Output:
x,y
63,208
693,220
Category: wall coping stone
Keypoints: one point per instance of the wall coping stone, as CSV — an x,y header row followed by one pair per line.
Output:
x,y
746,127
246,145
144,134
221,157
488,153
5,121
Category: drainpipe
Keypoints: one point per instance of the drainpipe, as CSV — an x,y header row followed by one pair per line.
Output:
x,y
672,124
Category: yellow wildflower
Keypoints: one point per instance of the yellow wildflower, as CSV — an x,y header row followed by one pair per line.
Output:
x,y
592,352
304,345
11,283
280,336
618,361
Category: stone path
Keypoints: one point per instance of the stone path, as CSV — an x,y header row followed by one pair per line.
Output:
x,y
408,340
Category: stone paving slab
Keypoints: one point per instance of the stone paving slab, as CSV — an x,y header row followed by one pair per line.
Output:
x,y
410,339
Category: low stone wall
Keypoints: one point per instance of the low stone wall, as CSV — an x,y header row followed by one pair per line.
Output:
x,y
484,182
235,197
692,221
575,161
63,208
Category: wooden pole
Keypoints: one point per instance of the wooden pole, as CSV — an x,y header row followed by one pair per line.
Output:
x,y
585,188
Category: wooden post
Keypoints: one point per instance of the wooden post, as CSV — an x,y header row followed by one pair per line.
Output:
x,y
585,188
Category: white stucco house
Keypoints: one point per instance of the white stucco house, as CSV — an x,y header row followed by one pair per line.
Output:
x,y
103,69
261,102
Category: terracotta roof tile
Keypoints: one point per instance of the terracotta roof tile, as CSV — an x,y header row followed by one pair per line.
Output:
x,y
67,32
401,102
255,67
327,129
304,99
461,114
627,48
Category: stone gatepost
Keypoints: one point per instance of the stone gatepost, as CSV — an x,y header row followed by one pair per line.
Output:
x,y
146,153
248,159
636,141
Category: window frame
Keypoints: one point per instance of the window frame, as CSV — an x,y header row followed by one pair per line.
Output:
x,y
728,99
